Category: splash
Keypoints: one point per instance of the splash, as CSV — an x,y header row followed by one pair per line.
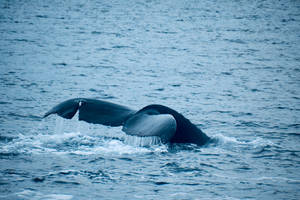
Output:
x,y
115,147
80,144
75,137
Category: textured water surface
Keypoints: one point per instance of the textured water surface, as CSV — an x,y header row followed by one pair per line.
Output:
x,y
231,67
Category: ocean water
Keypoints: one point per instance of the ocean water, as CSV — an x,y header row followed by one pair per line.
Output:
x,y
231,67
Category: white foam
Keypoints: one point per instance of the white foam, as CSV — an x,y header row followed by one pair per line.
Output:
x,y
82,144
258,142
118,147
67,137
226,139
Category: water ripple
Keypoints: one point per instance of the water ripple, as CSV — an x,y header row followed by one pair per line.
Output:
x,y
232,68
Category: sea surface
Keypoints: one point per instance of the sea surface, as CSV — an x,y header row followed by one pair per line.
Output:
x,y
231,67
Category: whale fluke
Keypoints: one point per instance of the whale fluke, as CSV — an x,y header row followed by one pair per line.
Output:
x,y
66,109
93,111
149,124
152,120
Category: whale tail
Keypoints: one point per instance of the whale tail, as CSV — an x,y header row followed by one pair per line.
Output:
x,y
93,111
152,120
146,122
66,109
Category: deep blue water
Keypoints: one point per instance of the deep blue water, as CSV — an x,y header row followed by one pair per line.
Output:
x,y
231,67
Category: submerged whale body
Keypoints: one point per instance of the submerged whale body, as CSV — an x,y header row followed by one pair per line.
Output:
x,y
152,120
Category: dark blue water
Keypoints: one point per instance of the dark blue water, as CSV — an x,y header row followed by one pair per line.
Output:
x,y
231,67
